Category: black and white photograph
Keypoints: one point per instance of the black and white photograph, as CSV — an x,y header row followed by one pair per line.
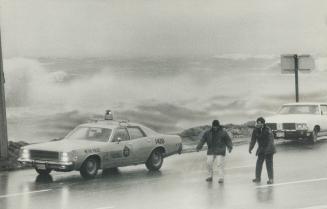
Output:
x,y
157,104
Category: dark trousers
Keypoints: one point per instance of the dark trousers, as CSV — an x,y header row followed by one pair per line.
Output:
x,y
269,164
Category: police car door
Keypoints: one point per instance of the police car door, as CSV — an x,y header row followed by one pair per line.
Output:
x,y
121,152
140,142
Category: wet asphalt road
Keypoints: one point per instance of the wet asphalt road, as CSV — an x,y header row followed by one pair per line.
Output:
x,y
300,182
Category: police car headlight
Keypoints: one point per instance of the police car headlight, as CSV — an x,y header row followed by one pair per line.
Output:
x,y
64,156
25,153
301,126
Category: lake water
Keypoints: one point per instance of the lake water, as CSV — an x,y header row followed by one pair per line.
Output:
x,y
46,97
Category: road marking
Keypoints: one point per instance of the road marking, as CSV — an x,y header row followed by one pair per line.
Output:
x,y
292,182
227,168
316,207
18,194
110,207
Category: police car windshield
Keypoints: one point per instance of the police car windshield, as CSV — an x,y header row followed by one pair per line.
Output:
x,y
90,134
299,109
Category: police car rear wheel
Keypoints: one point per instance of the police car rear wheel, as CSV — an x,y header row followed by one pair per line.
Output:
x,y
43,172
89,168
155,160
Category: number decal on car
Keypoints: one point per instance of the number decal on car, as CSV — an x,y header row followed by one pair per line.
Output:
x,y
95,150
160,141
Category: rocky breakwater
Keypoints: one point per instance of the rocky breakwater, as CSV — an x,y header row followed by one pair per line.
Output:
x,y
13,154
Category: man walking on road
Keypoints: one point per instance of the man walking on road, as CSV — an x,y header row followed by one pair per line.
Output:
x,y
217,140
266,149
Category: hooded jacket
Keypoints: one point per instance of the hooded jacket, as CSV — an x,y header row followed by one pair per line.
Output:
x,y
217,142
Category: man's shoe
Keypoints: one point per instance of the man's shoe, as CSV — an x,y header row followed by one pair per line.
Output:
x,y
209,179
256,180
220,181
270,181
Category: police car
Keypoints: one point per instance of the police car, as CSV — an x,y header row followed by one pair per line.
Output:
x,y
102,144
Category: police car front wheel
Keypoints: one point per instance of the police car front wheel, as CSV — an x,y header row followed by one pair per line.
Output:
x,y
89,168
155,160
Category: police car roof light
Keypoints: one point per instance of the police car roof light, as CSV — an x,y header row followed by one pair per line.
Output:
x,y
108,115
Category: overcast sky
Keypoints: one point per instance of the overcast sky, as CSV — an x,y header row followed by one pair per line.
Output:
x,y
80,28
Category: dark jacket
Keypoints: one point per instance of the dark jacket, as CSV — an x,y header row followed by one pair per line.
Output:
x,y
216,141
265,139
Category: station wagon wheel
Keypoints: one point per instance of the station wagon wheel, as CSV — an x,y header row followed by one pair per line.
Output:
x,y
155,160
89,168
43,172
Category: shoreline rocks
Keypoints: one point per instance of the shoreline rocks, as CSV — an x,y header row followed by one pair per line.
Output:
x,y
13,153
193,135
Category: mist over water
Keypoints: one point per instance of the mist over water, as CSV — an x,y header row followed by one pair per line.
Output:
x,y
47,97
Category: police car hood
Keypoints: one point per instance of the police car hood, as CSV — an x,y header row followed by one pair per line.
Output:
x,y
65,145
291,118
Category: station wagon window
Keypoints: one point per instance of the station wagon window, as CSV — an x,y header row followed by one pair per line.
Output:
x,y
90,133
135,132
122,134
323,109
299,109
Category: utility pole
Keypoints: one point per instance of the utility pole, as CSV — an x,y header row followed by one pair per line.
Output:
x,y
296,68
3,117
